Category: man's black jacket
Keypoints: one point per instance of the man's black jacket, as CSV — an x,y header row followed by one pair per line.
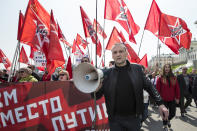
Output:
x,y
139,82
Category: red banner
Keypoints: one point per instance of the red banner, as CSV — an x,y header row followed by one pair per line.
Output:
x,y
49,106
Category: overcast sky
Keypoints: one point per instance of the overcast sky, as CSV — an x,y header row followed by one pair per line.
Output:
x,y
67,12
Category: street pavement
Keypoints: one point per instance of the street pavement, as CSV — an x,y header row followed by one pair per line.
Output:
x,y
187,123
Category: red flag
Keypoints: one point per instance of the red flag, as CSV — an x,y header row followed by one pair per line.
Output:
x,y
172,30
92,62
4,60
117,10
133,57
103,64
69,67
81,41
55,49
153,22
41,39
41,68
76,49
99,29
89,31
23,56
62,37
113,39
55,55
20,24
32,53
52,65
34,12
144,61
180,35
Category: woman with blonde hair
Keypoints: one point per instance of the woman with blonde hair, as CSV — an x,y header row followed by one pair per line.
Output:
x,y
63,75
167,86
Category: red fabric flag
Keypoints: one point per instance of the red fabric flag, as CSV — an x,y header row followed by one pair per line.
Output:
x,y
41,39
41,68
81,41
20,24
34,12
55,55
74,46
23,56
92,62
133,57
4,60
144,61
89,31
103,64
172,31
32,52
52,65
55,50
154,22
99,29
69,67
113,39
62,37
76,49
180,35
117,10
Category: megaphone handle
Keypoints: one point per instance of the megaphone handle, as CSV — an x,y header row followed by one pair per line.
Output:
x,y
95,110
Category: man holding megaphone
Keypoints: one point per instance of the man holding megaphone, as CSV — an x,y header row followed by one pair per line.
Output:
x,y
122,88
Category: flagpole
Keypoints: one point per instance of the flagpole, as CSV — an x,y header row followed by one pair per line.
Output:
x,y
65,50
96,37
95,109
141,43
158,46
14,61
103,42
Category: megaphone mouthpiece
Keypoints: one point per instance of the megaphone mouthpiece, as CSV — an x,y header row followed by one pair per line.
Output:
x,y
91,76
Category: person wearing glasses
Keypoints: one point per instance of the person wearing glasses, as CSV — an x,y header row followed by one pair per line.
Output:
x,y
63,75
25,75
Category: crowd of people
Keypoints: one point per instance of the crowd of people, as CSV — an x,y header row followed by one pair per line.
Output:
x,y
129,89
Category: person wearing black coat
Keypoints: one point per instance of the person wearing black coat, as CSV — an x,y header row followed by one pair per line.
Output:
x,y
194,90
122,88
185,90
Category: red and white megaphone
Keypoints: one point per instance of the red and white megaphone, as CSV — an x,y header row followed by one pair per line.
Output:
x,y
87,78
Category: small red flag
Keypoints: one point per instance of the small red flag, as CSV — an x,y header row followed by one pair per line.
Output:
x,y
133,57
118,11
62,37
20,24
89,31
4,60
144,61
69,67
113,39
23,56
81,41
99,29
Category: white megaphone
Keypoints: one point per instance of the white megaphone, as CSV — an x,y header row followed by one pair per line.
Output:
x,y
86,77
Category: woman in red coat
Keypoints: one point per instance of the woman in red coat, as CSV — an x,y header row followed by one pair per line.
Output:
x,y
167,86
